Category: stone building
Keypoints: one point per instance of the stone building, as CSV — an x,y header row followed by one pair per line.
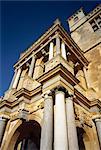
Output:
x,y
54,99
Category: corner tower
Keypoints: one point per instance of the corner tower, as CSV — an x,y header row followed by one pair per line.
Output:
x,y
86,32
76,19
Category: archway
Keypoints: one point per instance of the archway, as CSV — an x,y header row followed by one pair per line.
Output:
x,y
29,136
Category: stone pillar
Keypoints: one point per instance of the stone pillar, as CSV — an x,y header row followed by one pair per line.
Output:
x,y
58,45
47,126
63,50
81,77
3,122
31,67
39,68
98,126
60,128
72,133
51,50
13,79
16,78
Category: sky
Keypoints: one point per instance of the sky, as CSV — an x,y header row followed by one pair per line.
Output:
x,y
22,22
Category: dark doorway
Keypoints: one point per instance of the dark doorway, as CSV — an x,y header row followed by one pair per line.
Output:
x,y
80,133
29,137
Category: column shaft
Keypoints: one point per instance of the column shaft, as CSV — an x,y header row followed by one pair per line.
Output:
x,y
63,50
60,129
72,133
31,67
13,79
98,125
47,126
58,45
17,78
2,127
51,50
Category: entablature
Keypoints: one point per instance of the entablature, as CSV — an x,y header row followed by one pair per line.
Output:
x,y
62,71
86,103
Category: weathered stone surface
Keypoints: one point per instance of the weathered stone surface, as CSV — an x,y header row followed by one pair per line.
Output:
x,y
30,84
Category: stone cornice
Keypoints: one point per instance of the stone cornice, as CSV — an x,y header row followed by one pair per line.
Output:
x,y
83,100
24,93
96,102
62,71
28,94
8,104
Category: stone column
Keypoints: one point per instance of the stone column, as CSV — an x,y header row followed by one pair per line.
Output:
x,y
63,50
58,45
81,77
3,122
60,128
98,126
47,126
16,78
31,67
13,79
72,133
51,50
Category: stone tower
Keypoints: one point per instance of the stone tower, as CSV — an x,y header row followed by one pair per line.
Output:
x,y
52,103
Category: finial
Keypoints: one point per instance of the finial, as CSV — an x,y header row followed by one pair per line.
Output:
x,y
57,21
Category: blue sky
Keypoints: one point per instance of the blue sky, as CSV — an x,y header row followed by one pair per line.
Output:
x,y
22,22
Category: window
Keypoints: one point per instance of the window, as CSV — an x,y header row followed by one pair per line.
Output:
x,y
96,23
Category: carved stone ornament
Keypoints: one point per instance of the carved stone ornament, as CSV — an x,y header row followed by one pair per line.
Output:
x,y
83,117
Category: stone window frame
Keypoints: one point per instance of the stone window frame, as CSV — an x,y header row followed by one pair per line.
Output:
x,y
96,25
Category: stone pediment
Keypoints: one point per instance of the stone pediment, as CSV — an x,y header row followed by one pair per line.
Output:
x,y
30,84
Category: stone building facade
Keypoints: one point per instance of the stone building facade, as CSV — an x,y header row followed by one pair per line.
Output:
x,y
54,99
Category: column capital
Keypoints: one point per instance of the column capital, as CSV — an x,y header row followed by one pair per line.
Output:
x,y
70,97
34,56
19,69
97,119
4,117
43,52
47,94
68,53
60,88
